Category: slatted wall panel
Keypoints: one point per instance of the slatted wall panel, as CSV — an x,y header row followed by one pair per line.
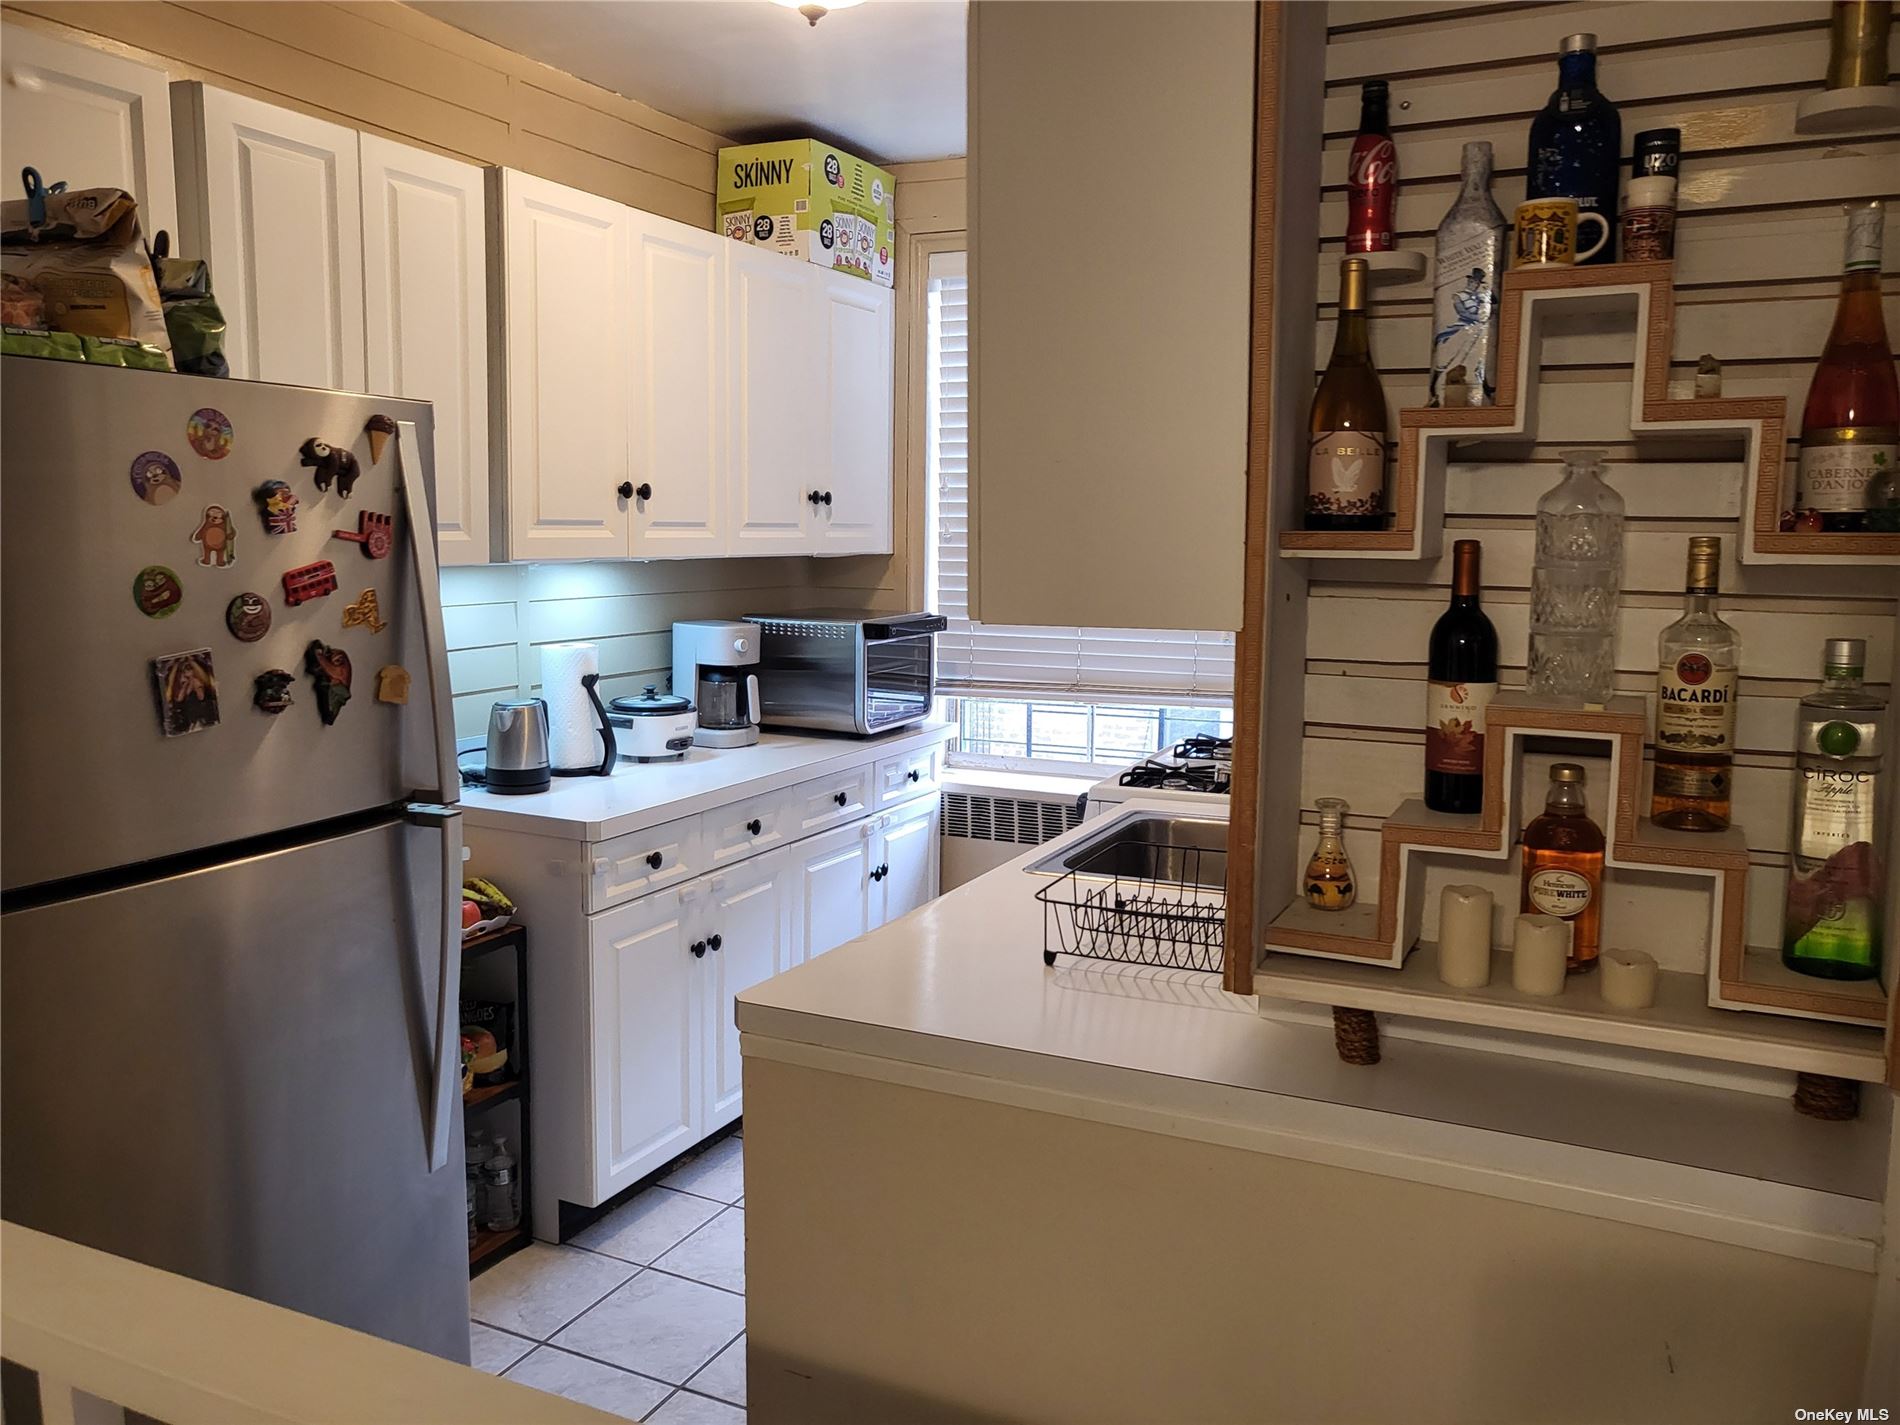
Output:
x,y
1757,265
498,616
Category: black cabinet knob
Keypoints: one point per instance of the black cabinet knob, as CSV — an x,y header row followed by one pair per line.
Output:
x,y
827,497
841,799
698,947
754,826
655,859
625,490
880,873
819,497
914,774
645,492
713,942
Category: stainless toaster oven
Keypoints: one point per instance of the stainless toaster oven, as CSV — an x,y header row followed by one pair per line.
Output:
x,y
844,672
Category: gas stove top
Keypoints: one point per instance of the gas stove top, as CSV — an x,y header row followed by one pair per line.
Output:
x,y
1180,773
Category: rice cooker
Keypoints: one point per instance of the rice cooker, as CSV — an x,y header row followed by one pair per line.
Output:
x,y
654,727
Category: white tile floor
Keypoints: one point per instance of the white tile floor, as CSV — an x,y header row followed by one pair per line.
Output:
x,y
642,1314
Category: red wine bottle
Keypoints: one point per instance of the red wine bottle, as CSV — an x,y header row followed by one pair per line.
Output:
x,y
1464,678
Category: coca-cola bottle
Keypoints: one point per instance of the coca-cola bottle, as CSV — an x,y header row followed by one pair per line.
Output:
x,y
1372,174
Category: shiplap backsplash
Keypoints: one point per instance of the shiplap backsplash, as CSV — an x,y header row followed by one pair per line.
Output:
x,y
499,615
1757,264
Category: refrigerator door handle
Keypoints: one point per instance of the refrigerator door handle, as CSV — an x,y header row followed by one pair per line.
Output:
x,y
435,638
448,1033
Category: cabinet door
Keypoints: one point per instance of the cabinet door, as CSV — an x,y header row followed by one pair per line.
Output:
x,y
90,118
774,358
856,410
272,200
565,344
907,856
426,318
748,914
678,411
646,1008
834,889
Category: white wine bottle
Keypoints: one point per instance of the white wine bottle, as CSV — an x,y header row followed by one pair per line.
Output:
x,y
1345,471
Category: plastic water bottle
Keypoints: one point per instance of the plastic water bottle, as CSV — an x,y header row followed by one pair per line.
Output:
x,y
1575,584
501,1194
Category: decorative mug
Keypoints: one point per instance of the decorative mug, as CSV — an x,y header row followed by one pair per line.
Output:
x,y
1547,233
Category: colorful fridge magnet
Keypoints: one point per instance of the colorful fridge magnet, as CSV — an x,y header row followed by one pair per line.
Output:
x,y
392,683
309,581
187,692
157,592
379,428
363,612
270,691
248,617
333,464
216,538
329,670
277,503
376,533
209,432
155,477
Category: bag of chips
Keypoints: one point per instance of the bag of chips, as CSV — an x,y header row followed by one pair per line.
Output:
x,y
192,316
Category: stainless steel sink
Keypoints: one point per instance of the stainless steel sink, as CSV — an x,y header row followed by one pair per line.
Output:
x,y
1147,846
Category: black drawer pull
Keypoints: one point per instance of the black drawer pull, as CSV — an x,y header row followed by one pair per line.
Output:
x,y
713,942
841,799
698,947
655,860
754,826
915,775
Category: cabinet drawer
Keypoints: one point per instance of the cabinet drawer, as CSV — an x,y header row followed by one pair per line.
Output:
x,y
643,861
746,828
832,801
910,774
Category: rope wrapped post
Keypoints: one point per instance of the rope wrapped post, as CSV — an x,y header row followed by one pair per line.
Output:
x,y
1356,1035
1824,1096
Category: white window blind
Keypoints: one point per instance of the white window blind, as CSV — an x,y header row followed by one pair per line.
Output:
x,y
1085,664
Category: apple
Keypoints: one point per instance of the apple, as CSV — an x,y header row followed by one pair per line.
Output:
x,y
471,913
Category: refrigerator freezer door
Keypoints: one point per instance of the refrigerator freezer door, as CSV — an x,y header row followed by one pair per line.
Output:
x,y
229,1074
92,781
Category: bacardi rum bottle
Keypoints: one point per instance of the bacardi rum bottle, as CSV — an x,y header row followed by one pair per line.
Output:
x,y
1372,174
1832,927
1563,865
1850,428
1697,657
1469,257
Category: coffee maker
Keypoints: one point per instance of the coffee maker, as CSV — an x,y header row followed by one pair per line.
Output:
x,y
712,664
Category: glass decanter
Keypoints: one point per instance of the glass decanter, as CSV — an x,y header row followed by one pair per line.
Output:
x,y
1575,585
1329,881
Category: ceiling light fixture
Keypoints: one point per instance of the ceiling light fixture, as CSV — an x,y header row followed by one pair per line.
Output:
x,y
815,12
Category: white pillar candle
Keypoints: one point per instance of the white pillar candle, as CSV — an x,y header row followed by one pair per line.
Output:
x,y
1628,978
1539,948
1464,937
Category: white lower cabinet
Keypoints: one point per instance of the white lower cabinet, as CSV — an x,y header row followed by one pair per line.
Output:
x,y
648,997
834,888
907,861
748,930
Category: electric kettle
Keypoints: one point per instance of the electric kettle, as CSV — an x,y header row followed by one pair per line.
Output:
x,y
517,748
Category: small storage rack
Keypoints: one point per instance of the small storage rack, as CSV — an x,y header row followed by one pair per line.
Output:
x,y
1102,910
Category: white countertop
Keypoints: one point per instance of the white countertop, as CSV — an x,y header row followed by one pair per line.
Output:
x,y
642,794
960,985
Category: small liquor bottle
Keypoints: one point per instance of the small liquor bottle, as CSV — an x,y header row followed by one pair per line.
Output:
x,y
1372,174
1850,428
1563,865
1832,925
1576,145
1696,660
1469,256
1345,471
1463,673
1329,881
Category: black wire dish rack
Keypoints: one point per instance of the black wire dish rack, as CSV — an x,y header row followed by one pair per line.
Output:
x,y
1140,904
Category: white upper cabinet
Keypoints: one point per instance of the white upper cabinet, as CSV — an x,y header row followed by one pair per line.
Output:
x,y
271,199
566,342
88,118
774,354
426,319
856,406
677,412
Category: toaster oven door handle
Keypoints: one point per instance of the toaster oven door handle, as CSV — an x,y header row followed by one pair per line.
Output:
x,y
883,629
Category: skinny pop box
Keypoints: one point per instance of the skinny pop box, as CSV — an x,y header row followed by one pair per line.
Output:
x,y
810,201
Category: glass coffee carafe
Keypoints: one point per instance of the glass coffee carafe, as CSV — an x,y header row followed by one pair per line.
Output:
x,y
722,699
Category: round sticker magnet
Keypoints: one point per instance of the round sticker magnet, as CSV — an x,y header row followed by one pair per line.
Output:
x,y
209,431
248,617
157,592
155,477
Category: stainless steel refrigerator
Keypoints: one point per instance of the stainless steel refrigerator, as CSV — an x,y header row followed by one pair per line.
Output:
x,y
230,928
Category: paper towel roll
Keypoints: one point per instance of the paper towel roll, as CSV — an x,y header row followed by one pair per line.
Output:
x,y
573,728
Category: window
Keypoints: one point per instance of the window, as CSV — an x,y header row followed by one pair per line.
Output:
x,y
1088,697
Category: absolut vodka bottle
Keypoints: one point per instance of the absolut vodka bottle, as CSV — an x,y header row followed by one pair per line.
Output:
x,y
1469,259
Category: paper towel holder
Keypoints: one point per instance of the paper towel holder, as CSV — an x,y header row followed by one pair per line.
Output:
x,y
591,681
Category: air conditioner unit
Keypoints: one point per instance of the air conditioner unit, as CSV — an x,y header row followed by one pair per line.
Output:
x,y
981,829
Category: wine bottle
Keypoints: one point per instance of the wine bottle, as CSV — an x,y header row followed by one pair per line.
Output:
x,y
1345,469
1372,174
1850,428
1469,258
1576,145
1464,678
